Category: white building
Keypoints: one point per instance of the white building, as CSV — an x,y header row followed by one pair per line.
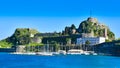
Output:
x,y
92,40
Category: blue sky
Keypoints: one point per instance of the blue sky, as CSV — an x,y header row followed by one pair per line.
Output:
x,y
54,15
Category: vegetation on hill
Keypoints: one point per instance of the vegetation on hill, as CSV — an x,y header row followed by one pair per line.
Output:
x,y
24,36
5,44
69,30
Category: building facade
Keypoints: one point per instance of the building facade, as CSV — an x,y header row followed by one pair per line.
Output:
x,y
92,40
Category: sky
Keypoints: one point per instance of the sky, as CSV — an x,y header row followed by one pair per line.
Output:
x,y
54,15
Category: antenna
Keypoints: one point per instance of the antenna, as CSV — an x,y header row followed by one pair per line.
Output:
x,y
90,13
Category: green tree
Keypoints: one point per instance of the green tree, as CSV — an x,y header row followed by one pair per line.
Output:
x,y
68,40
87,42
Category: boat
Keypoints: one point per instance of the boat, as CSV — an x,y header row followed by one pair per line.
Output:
x,y
62,52
75,52
86,53
24,53
55,53
90,53
93,53
30,53
44,53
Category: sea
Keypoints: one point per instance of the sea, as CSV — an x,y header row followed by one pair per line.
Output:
x,y
59,61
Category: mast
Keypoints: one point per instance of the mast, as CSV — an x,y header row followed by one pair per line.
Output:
x,y
47,46
90,13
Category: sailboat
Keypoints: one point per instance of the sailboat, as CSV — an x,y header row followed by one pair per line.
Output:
x,y
62,51
45,52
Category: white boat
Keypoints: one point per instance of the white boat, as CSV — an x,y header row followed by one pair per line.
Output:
x,y
95,54
30,53
92,53
75,52
44,53
16,53
86,53
62,52
24,53
55,53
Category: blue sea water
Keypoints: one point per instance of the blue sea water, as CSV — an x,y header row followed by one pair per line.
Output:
x,y
67,61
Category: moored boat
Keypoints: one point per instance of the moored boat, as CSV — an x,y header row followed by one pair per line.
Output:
x,y
62,52
75,51
44,53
